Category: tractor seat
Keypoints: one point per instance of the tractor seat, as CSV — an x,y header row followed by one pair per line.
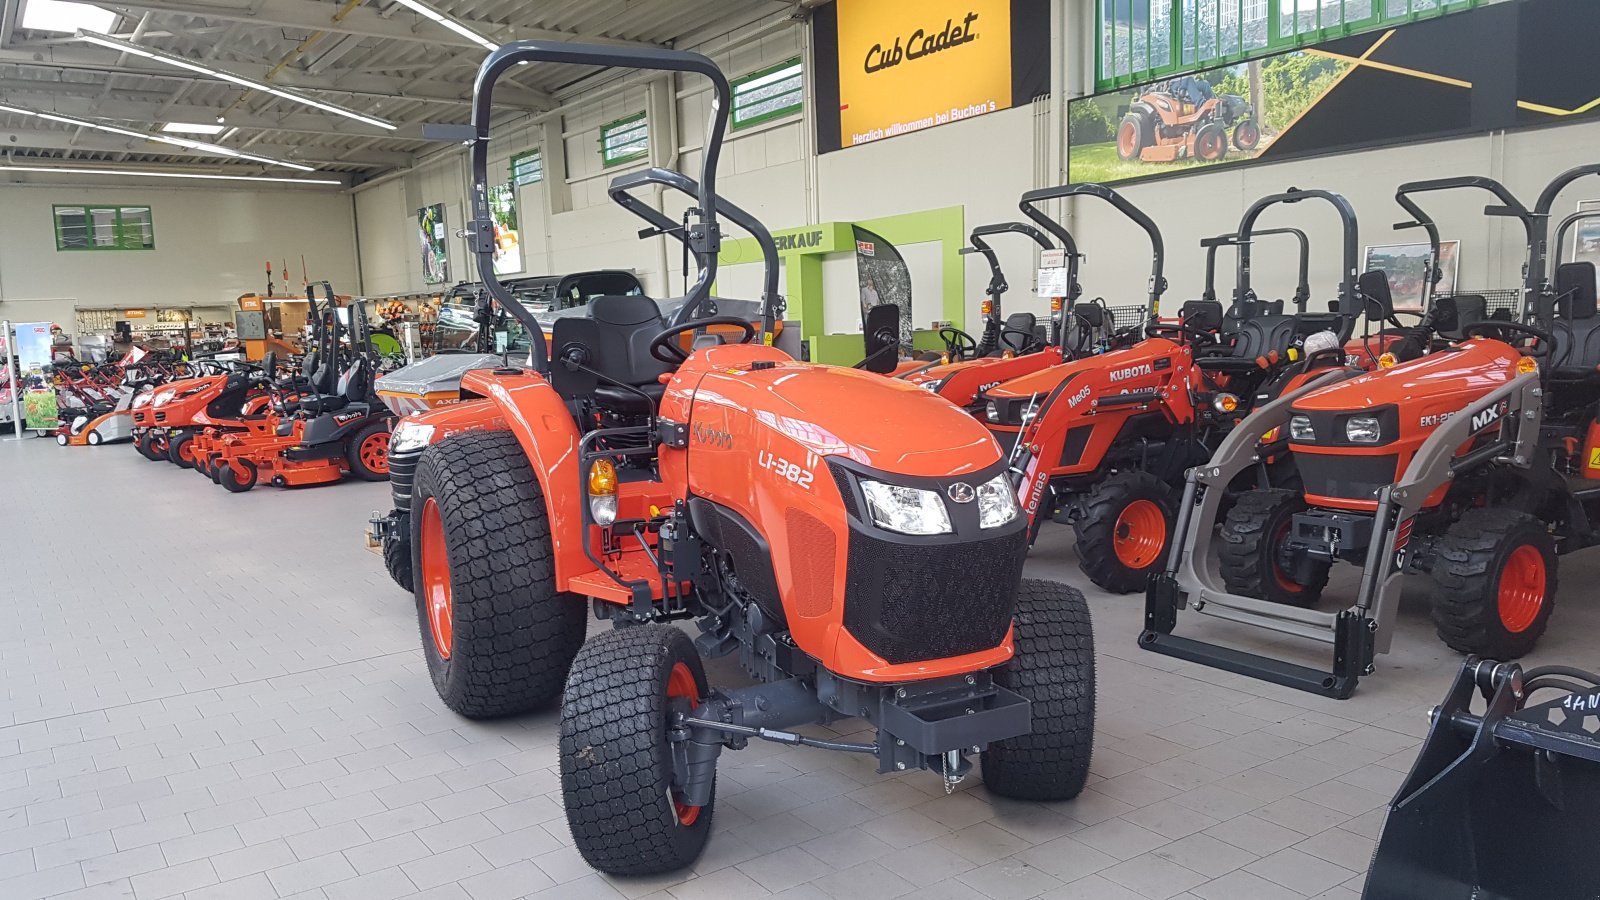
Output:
x,y
613,344
1021,321
1576,327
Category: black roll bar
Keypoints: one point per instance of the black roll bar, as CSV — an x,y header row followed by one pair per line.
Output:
x,y
1158,255
1510,207
1565,228
1302,287
1349,290
997,278
704,237
621,189
1538,279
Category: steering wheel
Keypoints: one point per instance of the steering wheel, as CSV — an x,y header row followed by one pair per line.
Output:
x,y
1193,334
1030,341
958,342
1489,329
665,349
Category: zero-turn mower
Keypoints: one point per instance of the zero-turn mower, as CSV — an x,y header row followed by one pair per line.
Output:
x,y
864,566
1476,465
1188,120
1100,443
220,395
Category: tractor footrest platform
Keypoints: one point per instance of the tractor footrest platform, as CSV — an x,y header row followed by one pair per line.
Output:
x,y
1253,665
937,725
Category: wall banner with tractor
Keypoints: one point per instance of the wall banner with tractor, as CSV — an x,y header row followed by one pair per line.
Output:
x,y
1501,66
885,69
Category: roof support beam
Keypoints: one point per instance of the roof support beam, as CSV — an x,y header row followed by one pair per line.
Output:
x,y
152,109
41,139
365,21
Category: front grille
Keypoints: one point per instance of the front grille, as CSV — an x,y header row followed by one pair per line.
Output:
x,y
402,470
912,602
1346,477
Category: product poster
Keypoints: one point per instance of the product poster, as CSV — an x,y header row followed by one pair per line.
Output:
x,y
39,410
507,239
883,277
1407,266
430,236
33,346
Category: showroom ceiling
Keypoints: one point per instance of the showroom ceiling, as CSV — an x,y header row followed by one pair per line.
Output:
x,y
344,70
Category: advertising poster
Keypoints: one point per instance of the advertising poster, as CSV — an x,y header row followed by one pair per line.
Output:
x,y
39,411
883,277
895,68
1407,268
1586,240
430,236
507,240
33,346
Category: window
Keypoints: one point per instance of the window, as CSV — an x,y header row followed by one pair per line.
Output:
x,y
768,94
527,168
1141,40
625,140
104,228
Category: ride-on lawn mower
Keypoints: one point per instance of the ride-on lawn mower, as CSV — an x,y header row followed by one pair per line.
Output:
x,y
857,566
1474,465
1500,805
1188,122
1102,441
221,397
329,430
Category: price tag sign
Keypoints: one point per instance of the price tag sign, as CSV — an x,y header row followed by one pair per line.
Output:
x,y
1052,274
1052,259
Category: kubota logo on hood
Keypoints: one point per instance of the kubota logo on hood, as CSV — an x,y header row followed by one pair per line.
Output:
x,y
1131,372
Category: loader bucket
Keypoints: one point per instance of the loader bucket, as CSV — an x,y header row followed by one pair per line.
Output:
x,y
1503,805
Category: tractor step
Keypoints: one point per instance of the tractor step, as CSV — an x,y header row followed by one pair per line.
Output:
x,y
1252,665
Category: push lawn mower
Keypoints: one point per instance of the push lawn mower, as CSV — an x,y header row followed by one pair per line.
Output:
x,y
858,566
1475,465
1100,442
1500,804
1186,121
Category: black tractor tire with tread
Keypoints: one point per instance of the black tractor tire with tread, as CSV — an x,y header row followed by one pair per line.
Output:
x,y
514,634
397,553
1248,552
1097,523
1467,564
1211,142
616,761
1053,667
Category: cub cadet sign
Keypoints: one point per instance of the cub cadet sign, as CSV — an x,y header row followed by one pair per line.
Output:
x,y
908,66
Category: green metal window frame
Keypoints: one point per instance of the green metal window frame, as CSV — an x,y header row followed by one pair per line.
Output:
x,y
1145,40
745,90
526,178
611,130
129,234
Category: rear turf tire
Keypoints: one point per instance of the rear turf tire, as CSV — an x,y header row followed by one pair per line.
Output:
x,y
1249,538
368,455
397,553
512,635
1478,558
1053,667
1118,543
616,760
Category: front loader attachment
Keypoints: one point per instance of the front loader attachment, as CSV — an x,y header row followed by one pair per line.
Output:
x,y
1501,805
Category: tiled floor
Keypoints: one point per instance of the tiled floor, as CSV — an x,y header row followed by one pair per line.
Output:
x,y
219,696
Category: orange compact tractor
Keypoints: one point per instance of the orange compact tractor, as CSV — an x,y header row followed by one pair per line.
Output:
x,y
857,565
1098,443
1188,120
1476,465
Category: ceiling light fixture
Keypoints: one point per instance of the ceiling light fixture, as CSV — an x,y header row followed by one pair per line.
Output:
x,y
63,16
201,146
429,12
66,170
251,83
191,128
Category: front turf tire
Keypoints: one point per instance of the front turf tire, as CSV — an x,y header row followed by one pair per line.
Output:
x,y
1494,583
1053,667
616,760
180,450
1123,531
511,635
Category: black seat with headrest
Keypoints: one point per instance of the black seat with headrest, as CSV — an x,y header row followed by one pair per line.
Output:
x,y
1576,328
615,338
1009,337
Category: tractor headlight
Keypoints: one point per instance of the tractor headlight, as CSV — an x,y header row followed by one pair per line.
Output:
x,y
1300,429
991,411
907,510
410,436
1362,430
997,505
933,386
164,397
142,400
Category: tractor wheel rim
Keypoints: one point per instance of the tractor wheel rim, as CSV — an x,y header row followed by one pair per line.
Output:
x,y
1522,588
186,451
374,452
436,578
1127,135
1279,573
1139,534
681,684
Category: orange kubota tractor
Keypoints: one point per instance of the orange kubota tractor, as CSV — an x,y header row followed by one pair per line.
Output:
x,y
1476,465
1186,121
851,539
